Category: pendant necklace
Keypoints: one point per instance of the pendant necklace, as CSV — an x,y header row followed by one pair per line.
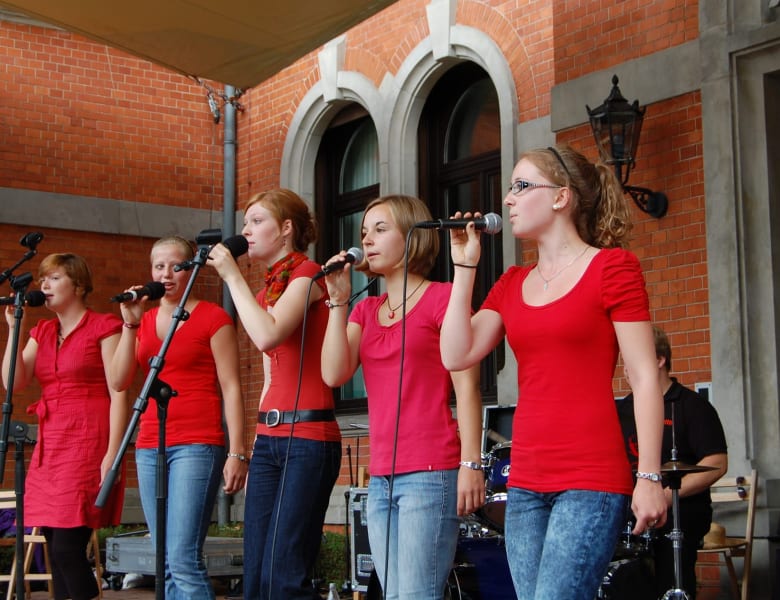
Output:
x,y
562,269
391,313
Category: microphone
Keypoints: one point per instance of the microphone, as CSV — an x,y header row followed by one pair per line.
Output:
x,y
237,245
154,290
354,255
32,298
30,240
489,223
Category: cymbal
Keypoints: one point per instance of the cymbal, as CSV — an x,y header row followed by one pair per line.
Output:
x,y
676,466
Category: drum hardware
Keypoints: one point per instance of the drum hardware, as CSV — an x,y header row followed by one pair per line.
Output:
x,y
630,545
673,471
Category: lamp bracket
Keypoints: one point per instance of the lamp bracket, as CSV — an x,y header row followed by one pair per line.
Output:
x,y
653,203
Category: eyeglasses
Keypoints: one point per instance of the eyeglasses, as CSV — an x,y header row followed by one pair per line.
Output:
x,y
519,185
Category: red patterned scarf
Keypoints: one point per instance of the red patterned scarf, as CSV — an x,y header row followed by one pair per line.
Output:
x,y
278,276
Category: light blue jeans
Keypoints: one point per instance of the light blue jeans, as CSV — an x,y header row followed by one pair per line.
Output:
x,y
423,532
194,475
559,544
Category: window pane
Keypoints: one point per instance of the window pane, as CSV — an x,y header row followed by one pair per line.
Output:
x,y
360,167
473,127
349,236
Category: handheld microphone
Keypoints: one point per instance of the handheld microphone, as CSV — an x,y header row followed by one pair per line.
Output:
x,y
237,245
32,298
489,223
154,290
354,255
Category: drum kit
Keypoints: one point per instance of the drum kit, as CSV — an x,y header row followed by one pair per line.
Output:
x,y
481,570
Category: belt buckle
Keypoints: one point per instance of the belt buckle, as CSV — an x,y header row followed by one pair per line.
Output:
x,y
273,417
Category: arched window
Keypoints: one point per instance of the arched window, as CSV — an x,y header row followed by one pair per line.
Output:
x,y
459,154
347,179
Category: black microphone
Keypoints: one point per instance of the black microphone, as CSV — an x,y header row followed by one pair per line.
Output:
x,y
154,290
32,298
237,245
489,223
354,255
31,240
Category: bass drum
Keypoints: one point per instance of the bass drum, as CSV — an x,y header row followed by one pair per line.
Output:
x,y
451,590
628,579
480,572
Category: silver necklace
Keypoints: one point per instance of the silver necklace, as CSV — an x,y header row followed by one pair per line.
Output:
x,y
561,270
391,310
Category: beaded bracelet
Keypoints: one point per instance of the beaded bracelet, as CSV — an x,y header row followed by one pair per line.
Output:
x,y
240,457
131,325
330,304
464,266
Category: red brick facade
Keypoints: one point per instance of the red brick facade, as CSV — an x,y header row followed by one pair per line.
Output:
x,y
81,119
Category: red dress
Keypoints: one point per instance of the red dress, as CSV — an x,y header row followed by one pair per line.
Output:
x,y
63,479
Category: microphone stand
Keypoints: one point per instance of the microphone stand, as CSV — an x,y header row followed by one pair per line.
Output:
x,y
162,392
8,272
19,284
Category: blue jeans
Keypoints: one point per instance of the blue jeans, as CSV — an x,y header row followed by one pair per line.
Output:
x,y
194,474
559,544
423,532
284,514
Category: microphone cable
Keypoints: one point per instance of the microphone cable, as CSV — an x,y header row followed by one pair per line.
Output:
x,y
397,410
291,435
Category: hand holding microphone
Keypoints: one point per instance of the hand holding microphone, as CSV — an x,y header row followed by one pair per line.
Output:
x,y
465,246
489,223
154,290
351,256
223,256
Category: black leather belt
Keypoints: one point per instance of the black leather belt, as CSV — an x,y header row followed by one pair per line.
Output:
x,y
275,417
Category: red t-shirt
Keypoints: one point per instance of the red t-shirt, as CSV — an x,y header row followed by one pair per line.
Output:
x,y
427,433
195,414
285,362
566,433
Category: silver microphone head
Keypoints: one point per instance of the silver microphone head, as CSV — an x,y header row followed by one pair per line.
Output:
x,y
492,223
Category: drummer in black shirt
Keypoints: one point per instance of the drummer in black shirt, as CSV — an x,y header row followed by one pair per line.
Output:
x,y
700,441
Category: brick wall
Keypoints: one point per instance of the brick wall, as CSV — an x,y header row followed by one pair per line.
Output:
x,y
79,118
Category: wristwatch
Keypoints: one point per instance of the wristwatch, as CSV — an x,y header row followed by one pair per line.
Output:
x,y
654,477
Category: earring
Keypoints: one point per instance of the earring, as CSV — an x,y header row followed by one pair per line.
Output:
x,y
556,206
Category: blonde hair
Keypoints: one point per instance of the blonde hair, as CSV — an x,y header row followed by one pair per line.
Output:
x,y
176,240
600,209
424,245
